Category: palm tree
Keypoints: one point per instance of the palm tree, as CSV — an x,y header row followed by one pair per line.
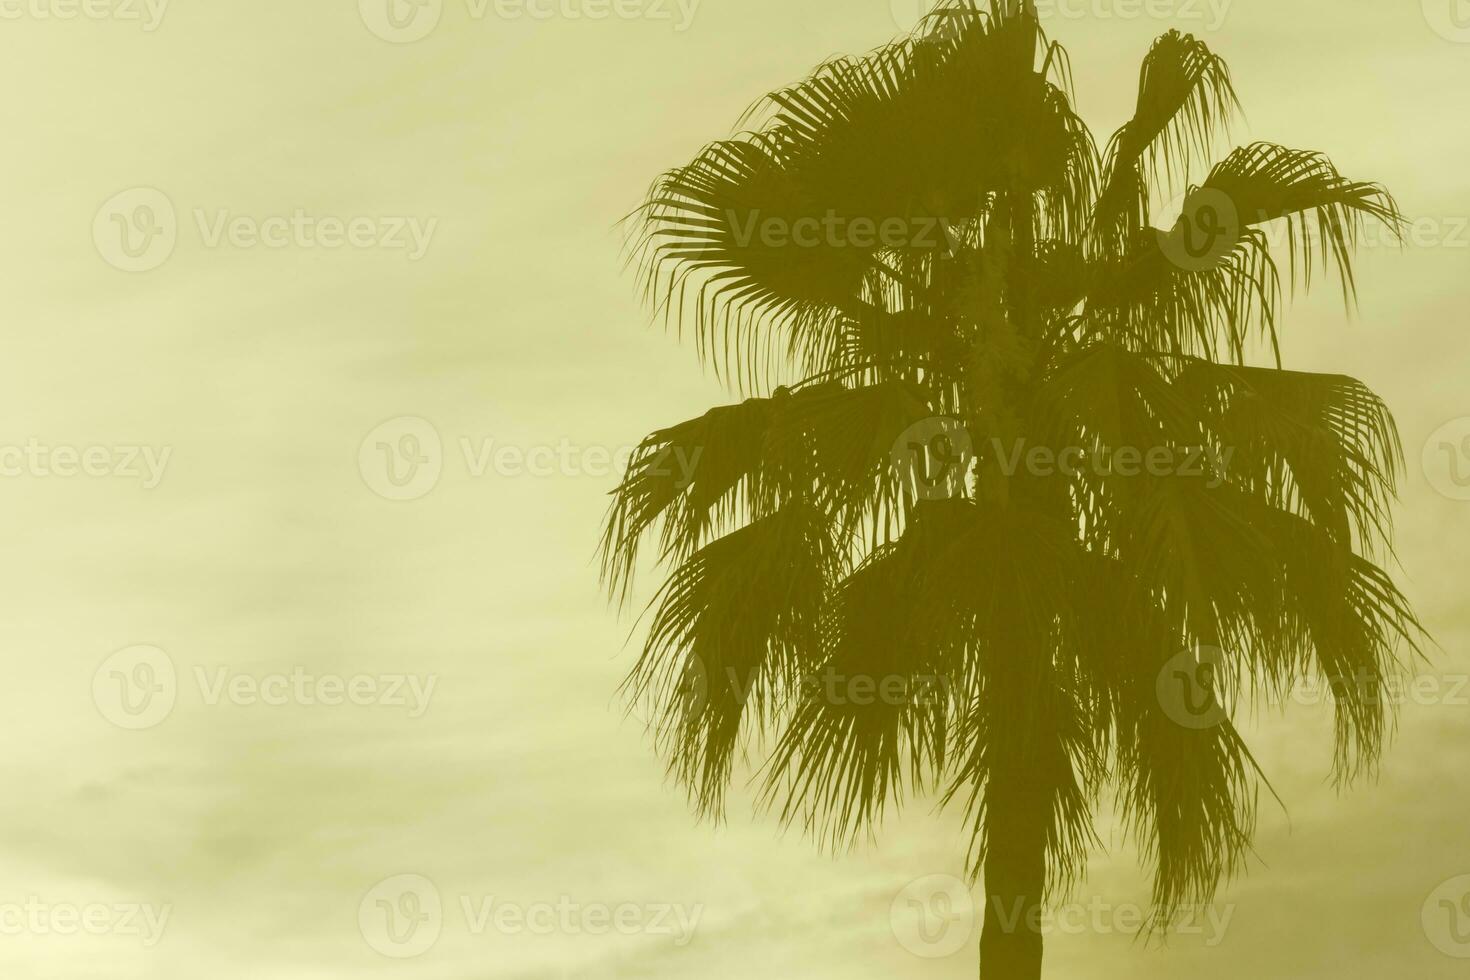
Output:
x,y
928,265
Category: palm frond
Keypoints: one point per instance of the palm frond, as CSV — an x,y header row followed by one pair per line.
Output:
x,y
1185,99
1324,211
731,629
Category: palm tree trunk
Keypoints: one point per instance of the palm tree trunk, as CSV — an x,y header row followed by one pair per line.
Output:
x,y
1015,883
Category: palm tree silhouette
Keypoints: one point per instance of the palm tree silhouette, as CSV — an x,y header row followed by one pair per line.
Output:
x,y
1029,527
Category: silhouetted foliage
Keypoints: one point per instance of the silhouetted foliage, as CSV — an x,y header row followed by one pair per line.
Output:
x,y
1021,298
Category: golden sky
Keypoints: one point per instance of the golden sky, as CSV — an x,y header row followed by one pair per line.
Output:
x,y
242,239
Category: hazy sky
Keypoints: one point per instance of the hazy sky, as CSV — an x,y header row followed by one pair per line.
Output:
x,y
215,409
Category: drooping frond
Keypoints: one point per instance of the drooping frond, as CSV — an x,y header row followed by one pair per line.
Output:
x,y
826,445
1355,621
1324,210
732,628
1185,99
1320,445
1189,796
765,241
1157,297
877,702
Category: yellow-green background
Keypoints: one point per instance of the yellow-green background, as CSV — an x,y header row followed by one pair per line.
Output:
x,y
263,549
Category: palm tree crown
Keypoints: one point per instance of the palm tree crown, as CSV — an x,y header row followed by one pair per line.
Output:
x,y
1016,522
